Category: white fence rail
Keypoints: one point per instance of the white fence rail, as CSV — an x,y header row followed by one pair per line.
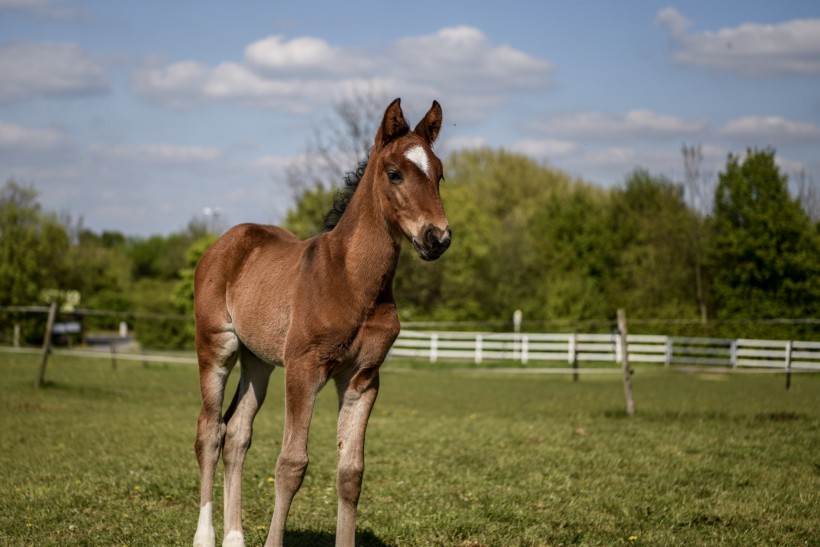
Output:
x,y
571,349
602,348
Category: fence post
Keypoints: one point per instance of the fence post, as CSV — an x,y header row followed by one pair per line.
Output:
x,y
789,364
16,335
434,347
525,347
41,373
668,357
478,340
733,353
622,334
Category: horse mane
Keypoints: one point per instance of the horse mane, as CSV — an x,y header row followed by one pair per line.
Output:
x,y
344,195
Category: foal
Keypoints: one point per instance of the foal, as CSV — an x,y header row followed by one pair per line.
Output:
x,y
321,308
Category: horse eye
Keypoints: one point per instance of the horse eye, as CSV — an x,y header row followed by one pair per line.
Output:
x,y
395,177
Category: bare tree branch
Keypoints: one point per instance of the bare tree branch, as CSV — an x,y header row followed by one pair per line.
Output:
x,y
808,194
338,144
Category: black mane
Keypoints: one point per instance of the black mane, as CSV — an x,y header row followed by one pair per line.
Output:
x,y
344,195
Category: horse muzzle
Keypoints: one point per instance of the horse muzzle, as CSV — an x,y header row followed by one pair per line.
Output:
x,y
433,242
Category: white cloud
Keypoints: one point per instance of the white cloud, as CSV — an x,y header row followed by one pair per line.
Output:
x,y
159,153
640,123
463,57
305,54
35,70
16,138
770,127
548,148
750,49
189,84
298,75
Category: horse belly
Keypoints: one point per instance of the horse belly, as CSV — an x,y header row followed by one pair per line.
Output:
x,y
266,341
262,326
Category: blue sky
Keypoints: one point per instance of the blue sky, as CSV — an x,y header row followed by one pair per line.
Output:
x,y
137,115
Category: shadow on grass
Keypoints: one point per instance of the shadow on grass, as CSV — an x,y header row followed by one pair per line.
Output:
x,y
307,538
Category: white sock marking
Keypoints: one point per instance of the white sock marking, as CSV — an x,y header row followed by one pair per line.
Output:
x,y
204,536
418,156
233,538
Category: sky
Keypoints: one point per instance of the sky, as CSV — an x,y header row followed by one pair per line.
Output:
x,y
138,116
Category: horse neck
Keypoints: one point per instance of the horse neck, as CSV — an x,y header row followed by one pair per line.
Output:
x,y
369,248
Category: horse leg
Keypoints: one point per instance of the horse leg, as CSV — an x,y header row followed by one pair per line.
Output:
x,y
250,394
357,394
303,380
217,356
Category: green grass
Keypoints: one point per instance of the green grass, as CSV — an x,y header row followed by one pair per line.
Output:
x,y
454,457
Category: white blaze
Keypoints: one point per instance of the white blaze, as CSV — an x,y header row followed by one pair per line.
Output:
x,y
418,156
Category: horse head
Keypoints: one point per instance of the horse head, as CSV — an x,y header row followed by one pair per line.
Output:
x,y
407,176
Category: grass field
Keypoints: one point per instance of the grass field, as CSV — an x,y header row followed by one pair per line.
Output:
x,y
454,457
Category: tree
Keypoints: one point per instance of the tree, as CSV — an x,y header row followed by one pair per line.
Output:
x,y
183,295
572,251
100,269
808,194
764,254
339,143
33,246
651,266
306,219
699,193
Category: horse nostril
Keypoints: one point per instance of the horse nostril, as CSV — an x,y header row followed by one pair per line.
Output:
x,y
429,237
445,239
437,239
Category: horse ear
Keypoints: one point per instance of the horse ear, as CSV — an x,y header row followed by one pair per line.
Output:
x,y
429,127
393,124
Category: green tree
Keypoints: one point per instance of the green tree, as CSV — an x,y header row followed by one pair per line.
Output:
x,y
764,256
312,204
33,246
183,295
573,255
98,266
651,272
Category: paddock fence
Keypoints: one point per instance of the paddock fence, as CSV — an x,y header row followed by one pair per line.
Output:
x,y
573,349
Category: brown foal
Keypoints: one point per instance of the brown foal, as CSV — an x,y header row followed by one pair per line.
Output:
x,y
321,308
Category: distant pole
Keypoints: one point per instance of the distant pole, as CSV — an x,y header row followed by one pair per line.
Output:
x,y
630,403
16,335
41,374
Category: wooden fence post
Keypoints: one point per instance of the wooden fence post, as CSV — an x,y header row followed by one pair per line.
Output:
x,y
630,403
573,352
16,339
789,364
41,373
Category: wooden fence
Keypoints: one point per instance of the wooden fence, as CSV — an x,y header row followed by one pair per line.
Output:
x,y
573,349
